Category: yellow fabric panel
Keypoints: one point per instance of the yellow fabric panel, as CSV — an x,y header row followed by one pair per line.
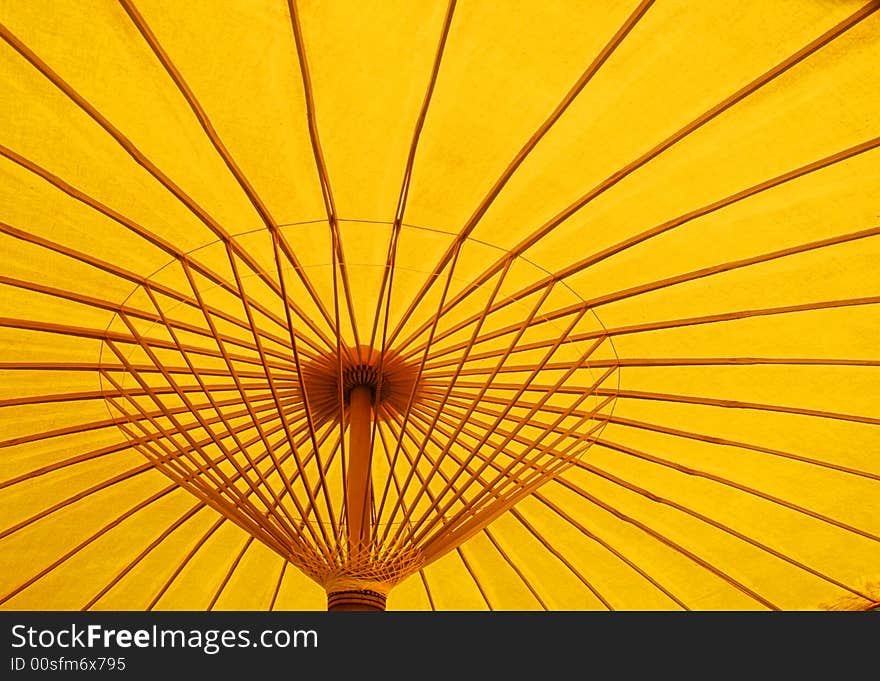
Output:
x,y
804,539
146,578
645,376
634,103
246,47
76,579
202,576
410,594
132,91
493,93
358,88
452,587
298,592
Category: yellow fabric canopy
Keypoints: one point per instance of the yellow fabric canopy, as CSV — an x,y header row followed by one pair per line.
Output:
x,y
561,304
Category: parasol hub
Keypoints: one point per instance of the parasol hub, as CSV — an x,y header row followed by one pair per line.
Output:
x,y
392,381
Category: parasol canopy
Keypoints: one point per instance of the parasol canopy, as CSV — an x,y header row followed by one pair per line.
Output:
x,y
464,305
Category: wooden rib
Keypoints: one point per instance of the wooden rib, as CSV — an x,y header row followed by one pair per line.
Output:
x,y
560,457
102,451
678,548
388,272
714,523
479,514
279,542
179,522
545,450
687,470
93,537
526,149
240,177
110,449
392,472
533,374
522,329
79,496
277,237
427,590
325,544
539,474
278,585
588,533
470,570
340,392
271,447
728,266
461,362
139,280
321,167
646,327
729,361
418,417
734,404
711,439
393,420
325,467
165,246
198,416
579,390
669,281
206,468
583,417
423,419
63,463
306,402
86,456
515,568
249,407
228,576
233,372
152,437
106,394
461,408
725,267
261,458
673,139
464,386
144,162
659,284
409,405
448,537
491,461
226,425
399,434
559,556
64,367
107,335
245,516
122,308
387,283
743,314
189,556
155,543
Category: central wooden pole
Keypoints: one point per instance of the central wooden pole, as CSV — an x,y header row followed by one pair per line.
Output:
x,y
358,492
358,495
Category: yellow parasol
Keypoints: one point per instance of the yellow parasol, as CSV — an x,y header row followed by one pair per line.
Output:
x,y
562,305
